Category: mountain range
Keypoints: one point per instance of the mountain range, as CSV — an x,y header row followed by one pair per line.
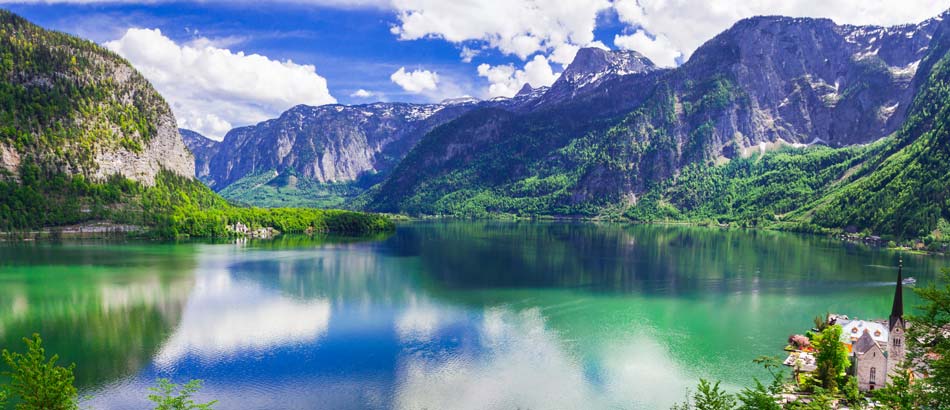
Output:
x,y
798,123
617,135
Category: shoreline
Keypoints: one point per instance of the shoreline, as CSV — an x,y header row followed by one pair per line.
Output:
x,y
830,233
110,230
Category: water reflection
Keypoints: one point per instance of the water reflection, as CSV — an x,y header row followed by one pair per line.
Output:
x,y
94,311
226,318
666,260
447,315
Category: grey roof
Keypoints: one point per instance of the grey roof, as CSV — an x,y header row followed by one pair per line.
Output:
x,y
864,343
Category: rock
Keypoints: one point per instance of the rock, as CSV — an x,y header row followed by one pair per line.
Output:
x,y
203,149
164,151
593,66
330,143
127,129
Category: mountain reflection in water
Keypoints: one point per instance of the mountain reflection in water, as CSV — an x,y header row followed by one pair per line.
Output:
x,y
447,315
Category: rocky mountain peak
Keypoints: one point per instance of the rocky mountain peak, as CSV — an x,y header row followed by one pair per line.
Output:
x,y
593,66
593,63
525,90
196,140
466,99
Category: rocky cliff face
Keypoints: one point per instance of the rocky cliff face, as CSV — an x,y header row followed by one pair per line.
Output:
x,y
331,143
203,149
614,125
72,107
593,66
810,80
165,150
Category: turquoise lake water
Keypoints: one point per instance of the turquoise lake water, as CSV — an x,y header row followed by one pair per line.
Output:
x,y
439,315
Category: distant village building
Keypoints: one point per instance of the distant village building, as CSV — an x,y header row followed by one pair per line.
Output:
x,y
877,347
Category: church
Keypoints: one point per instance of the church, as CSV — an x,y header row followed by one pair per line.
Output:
x,y
876,347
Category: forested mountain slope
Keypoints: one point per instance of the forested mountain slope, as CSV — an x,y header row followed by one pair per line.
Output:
x,y
898,185
905,189
84,137
734,120
71,106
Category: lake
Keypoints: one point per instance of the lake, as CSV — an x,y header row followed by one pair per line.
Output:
x,y
439,315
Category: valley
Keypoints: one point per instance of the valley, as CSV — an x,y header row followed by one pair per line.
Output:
x,y
776,122
301,205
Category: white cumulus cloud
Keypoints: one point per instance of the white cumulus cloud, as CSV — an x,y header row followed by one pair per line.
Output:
x,y
417,81
681,26
213,89
517,27
659,49
361,93
506,80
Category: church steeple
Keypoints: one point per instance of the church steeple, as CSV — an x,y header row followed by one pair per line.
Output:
x,y
897,310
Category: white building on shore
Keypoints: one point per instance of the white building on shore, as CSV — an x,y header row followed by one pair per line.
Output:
x,y
876,347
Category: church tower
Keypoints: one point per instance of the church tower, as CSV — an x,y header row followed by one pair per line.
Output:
x,y
896,325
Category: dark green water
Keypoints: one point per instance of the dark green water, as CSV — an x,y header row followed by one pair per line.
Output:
x,y
441,315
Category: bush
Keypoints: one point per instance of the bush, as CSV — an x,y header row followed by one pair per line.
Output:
x,y
37,382
169,396
708,397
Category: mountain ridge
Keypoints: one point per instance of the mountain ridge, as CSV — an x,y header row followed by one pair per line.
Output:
x,y
615,133
763,84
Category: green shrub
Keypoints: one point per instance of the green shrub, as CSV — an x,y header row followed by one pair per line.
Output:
x,y
37,382
169,396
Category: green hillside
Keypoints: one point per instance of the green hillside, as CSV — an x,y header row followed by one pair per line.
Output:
x,y
71,110
899,186
664,159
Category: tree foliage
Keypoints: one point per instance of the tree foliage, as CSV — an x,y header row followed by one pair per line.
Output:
x,y
37,382
900,393
929,344
170,396
831,359
174,206
708,396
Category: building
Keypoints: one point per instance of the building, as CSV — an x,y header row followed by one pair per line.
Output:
x,y
877,351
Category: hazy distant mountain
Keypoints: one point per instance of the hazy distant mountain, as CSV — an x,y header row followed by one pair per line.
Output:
x,y
203,148
331,143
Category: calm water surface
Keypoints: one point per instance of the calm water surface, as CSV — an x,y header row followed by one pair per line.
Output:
x,y
440,315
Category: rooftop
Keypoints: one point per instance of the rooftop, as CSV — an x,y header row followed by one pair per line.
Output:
x,y
852,330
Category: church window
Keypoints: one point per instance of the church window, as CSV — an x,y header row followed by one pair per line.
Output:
x,y
873,374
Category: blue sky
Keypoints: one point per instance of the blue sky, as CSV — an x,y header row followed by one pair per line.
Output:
x,y
395,50
352,48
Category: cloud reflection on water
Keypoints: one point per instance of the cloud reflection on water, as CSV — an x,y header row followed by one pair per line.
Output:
x,y
225,317
526,364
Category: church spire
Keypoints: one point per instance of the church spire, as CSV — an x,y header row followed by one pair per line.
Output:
x,y
897,311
